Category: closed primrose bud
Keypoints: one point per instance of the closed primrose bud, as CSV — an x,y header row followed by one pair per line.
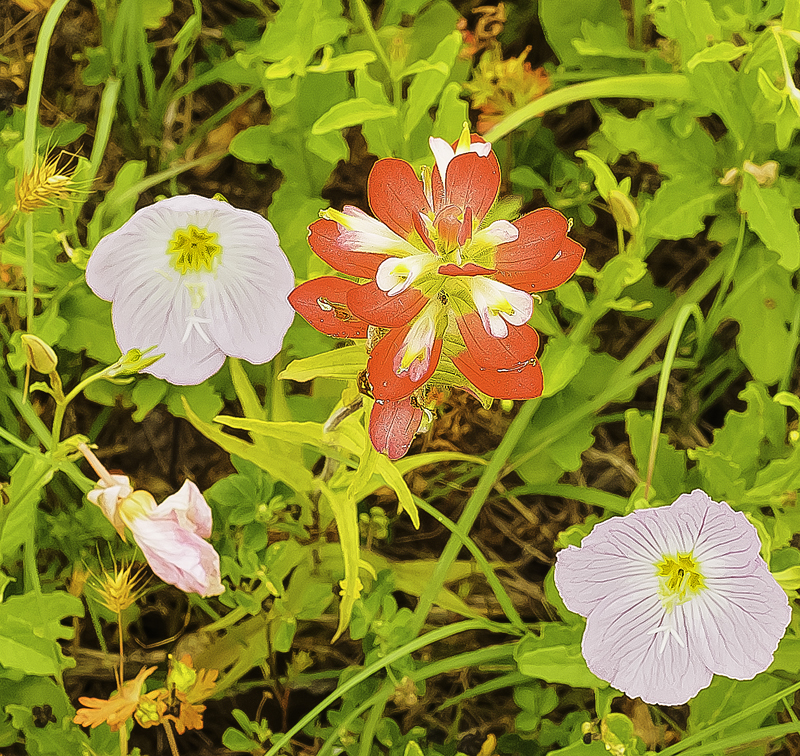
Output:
x,y
39,355
623,210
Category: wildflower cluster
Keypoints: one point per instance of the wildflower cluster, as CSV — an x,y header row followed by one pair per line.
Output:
x,y
178,701
449,289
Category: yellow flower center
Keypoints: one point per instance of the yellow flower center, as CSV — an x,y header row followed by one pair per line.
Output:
x,y
193,249
680,579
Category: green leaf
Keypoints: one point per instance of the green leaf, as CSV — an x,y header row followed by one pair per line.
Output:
x,y
555,657
724,51
652,135
451,113
771,216
300,28
742,437
30,628
562,359
297,477
562,25
345,364
427,85
604,179
762,302
28,479
669,474
119,203
680,206
352,113
90,325
346,516
604,40
690,22
253,145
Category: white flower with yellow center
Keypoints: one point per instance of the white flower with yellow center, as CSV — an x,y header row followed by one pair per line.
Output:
x,y
199,280
672,596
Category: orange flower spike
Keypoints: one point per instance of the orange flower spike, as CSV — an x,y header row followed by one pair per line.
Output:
x,y
117,709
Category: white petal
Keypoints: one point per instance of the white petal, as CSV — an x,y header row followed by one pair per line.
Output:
x,y
643,651
586,577
736,622
499,232
415,354
247,296
396,274
178,556
498,304
443,153
363,233
157,314
481,148
190,507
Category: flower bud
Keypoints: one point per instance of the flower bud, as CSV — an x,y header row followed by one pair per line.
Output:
x,y
39,355
133,361
765,174
623,210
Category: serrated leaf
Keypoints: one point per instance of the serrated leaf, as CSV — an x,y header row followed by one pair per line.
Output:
x,y
28,479
723,51
680,206
762,301
555,657
771,216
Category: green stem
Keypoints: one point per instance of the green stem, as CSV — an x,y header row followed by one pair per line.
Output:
x,y
425,640
35,83
714,316
105,119
716,745
641,86
663,381
29,272
494,583
362,12
29,138
485,484
370,726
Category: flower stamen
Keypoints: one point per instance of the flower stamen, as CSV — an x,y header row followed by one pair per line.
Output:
x,y
193,249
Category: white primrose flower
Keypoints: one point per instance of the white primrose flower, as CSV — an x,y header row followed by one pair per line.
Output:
x,y
199,280
672,596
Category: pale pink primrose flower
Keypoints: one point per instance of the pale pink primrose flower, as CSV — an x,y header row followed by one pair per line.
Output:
x,y
171,535
672,596
199,280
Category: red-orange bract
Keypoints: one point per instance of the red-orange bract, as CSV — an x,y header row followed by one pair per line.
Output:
x,y
448,293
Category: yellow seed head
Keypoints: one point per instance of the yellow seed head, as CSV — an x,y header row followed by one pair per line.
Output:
x,y
118,590
50,180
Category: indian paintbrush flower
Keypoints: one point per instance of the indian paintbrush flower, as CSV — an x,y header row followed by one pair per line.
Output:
x,y
672,596
171,535
198,280
448,292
